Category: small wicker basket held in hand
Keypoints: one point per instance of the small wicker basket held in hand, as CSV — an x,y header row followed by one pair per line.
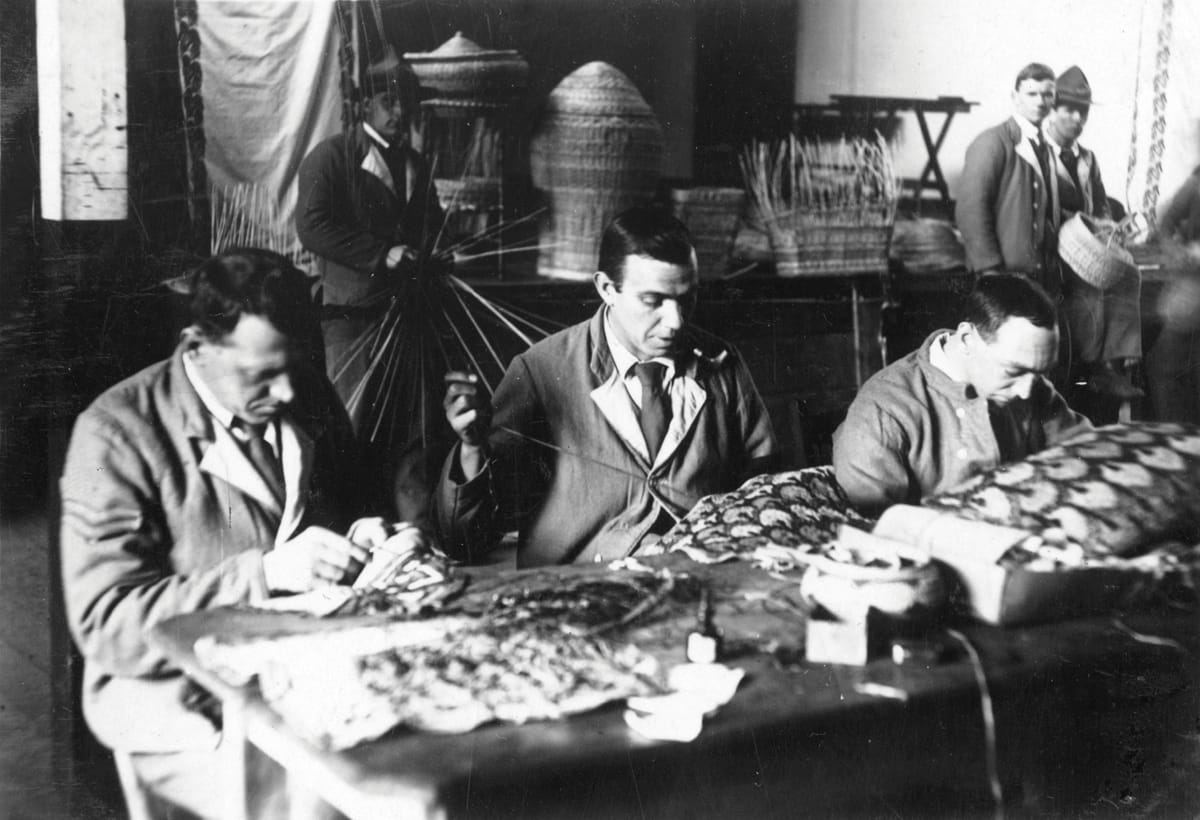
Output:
x,y
1095,250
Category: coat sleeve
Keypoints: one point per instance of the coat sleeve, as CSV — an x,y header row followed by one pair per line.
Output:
x,y
325,220
116,553
1058,422
975,211
870,459
472,515
759,443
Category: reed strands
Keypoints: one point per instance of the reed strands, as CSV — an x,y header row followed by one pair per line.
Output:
x,y
247,215
828,207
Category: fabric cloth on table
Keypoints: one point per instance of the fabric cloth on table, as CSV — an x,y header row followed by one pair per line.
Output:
x,y
801,509
1113,490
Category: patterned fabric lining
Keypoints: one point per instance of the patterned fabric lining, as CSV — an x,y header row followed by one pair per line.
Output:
x,y
800,509
1116,490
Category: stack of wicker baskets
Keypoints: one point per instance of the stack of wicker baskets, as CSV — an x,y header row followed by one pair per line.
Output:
x,y
596,150
712,216
469,90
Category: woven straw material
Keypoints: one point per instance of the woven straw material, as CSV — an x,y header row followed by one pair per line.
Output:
x,y
569,246
712,216
596,150
468,193
822,243
1093,249
460,72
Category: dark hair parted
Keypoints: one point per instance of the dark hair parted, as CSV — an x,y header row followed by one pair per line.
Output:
x,y
244,281
1034,71
644,231
998,297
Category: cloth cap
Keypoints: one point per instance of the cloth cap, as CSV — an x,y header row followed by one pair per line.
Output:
x,y
1072,87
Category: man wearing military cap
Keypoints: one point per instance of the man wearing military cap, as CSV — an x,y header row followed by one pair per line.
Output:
x,y
1103,327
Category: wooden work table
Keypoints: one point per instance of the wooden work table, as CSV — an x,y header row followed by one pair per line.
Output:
x,y
797,739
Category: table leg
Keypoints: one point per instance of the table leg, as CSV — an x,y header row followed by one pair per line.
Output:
x,y
932,147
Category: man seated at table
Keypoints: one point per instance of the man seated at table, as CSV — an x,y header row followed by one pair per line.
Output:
x,y
967,400
604,434
219,476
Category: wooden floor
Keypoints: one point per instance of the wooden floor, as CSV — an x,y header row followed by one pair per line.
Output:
x,y
39,774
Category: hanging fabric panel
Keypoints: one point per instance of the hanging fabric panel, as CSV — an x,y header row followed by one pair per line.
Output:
x,y
270,94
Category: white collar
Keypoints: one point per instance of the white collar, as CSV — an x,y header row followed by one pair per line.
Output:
x,y
623,360
374,135
1058,148
1028,129
939,358
209,399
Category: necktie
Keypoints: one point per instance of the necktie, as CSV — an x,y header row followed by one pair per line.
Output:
x,y
1043,155
655,415
263,458
1071,163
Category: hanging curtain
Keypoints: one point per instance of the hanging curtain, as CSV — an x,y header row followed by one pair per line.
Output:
x,y
268,91
1165,135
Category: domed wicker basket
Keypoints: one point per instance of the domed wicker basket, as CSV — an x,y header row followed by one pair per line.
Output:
x,y
1094,250
597,149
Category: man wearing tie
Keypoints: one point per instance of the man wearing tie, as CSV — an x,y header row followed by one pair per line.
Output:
x,y
221,476
603,435
1103,328
1006,207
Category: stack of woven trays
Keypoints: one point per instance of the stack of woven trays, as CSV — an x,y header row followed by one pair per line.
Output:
x,y
596,151
836,241
712,216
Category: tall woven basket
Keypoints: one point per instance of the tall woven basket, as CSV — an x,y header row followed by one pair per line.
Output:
x,y
596,150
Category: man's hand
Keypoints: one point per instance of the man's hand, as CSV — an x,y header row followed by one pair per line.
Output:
x,y
370,533
316,557
397,254
468,411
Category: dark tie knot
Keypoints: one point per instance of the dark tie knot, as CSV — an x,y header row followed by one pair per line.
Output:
x,y
650,374
250,431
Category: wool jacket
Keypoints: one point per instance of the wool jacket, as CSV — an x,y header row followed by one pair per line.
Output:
x,y
568,466
163,514
349,217
912,431
1003,205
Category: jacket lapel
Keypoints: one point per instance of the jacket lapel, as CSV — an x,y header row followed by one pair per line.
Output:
x,y
296,455
223,459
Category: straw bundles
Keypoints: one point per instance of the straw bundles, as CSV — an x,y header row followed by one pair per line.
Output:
x,y
828,207
596,150
1094,249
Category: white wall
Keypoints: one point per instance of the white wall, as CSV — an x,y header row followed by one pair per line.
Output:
x,y
974,48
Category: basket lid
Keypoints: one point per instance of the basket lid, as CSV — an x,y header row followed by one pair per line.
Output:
x,y
462,49
598,88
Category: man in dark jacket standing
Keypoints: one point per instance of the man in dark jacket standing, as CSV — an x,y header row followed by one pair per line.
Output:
x,y
1006,207
1104,328
368,211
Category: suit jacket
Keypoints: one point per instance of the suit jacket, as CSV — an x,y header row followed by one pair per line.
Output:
x,y
163,514
1002,206
587,491
349,218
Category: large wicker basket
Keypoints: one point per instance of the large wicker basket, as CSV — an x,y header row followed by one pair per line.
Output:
x,y
1094,249
596,150
825,243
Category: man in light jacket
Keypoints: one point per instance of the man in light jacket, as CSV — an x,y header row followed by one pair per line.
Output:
x,y
1006,202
